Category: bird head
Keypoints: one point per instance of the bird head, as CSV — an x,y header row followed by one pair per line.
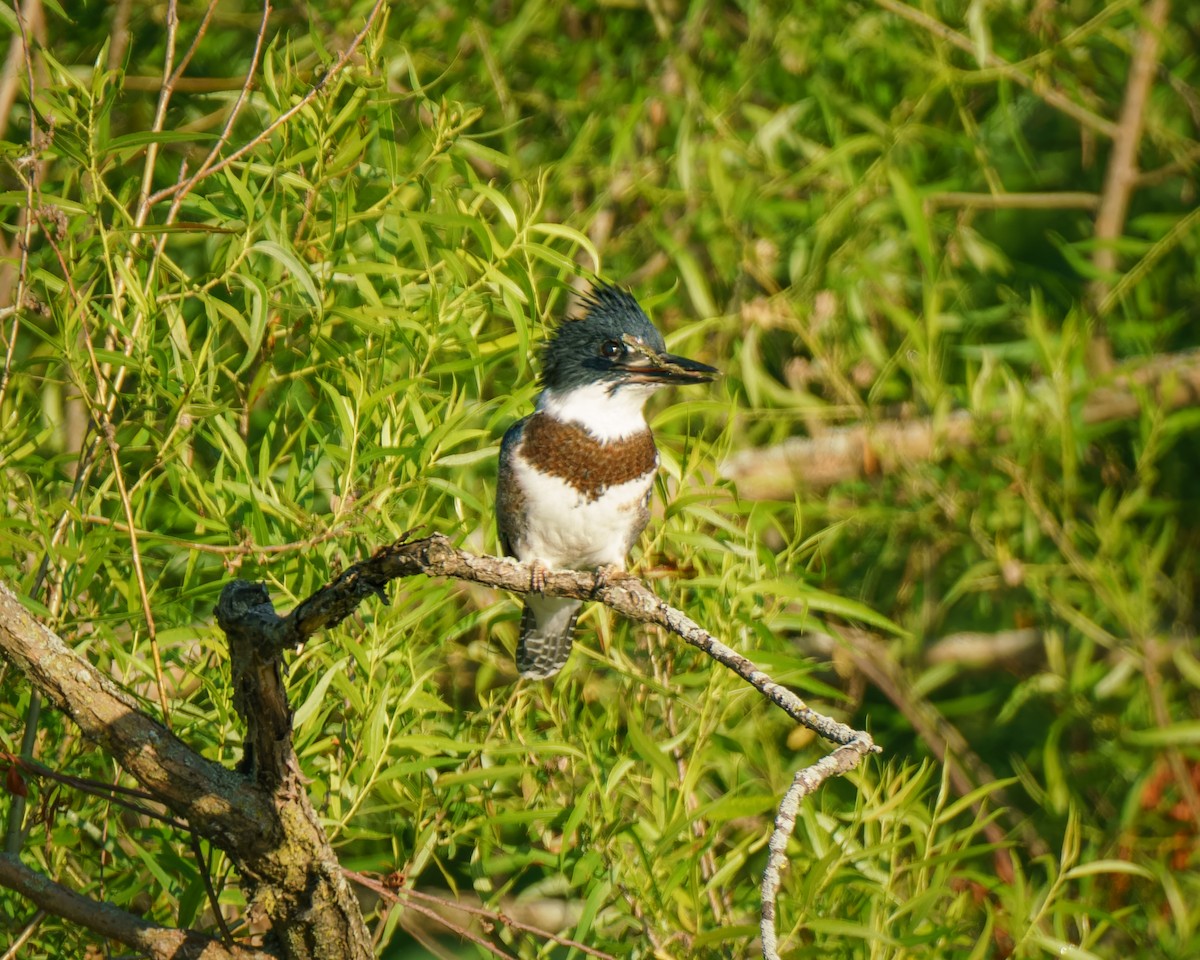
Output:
x,y
614,344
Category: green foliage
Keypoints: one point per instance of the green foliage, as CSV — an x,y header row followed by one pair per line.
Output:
x,y
321,345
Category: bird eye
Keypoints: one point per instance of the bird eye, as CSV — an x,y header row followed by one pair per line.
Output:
x,y
611,349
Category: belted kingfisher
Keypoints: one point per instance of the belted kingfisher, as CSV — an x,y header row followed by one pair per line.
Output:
x,y
573,491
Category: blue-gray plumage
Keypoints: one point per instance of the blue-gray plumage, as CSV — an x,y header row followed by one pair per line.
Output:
x,y
575,476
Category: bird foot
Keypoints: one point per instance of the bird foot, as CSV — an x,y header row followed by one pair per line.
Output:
x,y
608,573
537,576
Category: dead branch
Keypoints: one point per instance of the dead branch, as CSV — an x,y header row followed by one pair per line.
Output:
x,y
436,556
1170,381
842,760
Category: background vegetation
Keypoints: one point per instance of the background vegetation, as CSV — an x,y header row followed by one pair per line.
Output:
x,y
317,345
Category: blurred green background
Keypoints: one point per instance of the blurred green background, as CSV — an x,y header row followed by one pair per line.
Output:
x,y
318,346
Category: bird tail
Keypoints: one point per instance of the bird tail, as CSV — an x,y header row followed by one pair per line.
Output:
x,y
547,626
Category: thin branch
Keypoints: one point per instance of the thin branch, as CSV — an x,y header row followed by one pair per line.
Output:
x,y
112,792
1060,200
1121,176
22,938
1038,86
393,896
160,943
28,14
245,548
214,902
101,413
283,118
1183,164
259,40
153,84
28,19
119,34
160,112
404,895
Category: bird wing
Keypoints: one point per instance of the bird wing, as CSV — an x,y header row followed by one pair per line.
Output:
x,y
510,498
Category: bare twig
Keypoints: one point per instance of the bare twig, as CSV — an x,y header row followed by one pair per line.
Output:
x,y
160,111
119,34
28,14
126,797
806,781
214,902
1121,176
233,551
29,19
259,40
22,938
160,943
1183,164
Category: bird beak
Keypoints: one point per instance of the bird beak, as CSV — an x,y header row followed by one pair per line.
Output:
x,y
643,364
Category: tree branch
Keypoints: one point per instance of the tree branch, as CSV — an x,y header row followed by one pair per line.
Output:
x,y
158,942
435,556
849,453
268,827
249,612
220,805
286,859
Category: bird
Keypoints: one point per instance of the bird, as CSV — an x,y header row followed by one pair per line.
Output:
x,y
575,476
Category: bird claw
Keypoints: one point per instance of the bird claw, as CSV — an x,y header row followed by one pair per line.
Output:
x,y
537,576
608,573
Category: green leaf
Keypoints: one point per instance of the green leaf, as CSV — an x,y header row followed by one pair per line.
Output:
x,y
294,266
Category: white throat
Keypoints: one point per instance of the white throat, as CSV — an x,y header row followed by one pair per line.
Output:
x,y
606,416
